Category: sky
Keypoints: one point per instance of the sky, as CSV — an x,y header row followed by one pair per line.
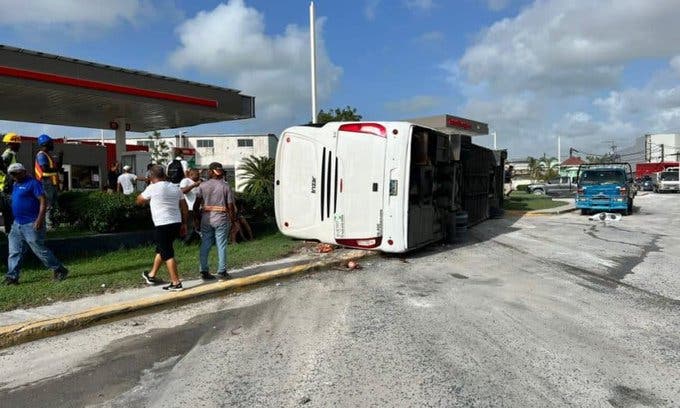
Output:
x,y
587,72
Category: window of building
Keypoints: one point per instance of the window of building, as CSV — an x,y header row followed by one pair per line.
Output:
x,y
245,142
84,177
205,143
147,143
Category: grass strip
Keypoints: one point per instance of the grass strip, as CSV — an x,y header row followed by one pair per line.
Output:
x,y
522,201
121,269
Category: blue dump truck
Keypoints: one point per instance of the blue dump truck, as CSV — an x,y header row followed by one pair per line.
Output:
x,y
605,187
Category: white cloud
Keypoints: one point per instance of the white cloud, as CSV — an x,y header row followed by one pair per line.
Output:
x,y
230,42
570,46
556,68
102,13
424,5
413,106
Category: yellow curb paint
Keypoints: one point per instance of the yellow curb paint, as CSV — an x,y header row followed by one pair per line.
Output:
x,y
36,329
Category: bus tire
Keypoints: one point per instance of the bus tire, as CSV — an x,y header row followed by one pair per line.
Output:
x,y
585,211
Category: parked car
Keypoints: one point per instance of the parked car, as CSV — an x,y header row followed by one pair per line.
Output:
x,y
559,186
645,183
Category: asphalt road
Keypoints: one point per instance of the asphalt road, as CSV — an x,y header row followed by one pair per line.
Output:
x,y
532,312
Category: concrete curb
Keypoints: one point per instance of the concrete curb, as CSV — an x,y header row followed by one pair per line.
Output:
x,y
36,329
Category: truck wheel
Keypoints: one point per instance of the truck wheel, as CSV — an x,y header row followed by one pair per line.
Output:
x,y
585,211
537,191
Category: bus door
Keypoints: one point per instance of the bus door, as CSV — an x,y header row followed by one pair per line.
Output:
x,y
359,219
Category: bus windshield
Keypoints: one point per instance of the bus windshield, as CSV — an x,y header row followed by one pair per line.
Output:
x,y
593,177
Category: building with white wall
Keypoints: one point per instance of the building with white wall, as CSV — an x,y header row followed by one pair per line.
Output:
x,y
653,148
228,149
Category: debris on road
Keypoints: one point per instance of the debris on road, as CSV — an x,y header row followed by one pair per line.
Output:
x,y
606,217
325,248
353,265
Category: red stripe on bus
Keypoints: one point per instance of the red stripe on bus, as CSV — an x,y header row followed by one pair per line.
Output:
x,y
104,86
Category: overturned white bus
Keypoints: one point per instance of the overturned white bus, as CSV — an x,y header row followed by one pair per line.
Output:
x,y
390,186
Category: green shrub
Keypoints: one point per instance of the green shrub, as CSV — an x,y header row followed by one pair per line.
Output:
x,y
258,206
102,212
522,187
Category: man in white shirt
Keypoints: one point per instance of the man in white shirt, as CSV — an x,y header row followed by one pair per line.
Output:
x,y
126,181
169,214
187,185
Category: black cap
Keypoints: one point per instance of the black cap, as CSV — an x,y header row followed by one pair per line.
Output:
x,y
215,166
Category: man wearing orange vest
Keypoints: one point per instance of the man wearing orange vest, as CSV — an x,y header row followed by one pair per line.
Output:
x,y
46,170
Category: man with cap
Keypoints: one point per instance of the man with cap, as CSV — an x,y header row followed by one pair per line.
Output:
x,y
217,203
46,169
126,181
28,231
9,157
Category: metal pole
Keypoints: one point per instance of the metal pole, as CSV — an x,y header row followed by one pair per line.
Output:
x,y
494,140
559,150
312,43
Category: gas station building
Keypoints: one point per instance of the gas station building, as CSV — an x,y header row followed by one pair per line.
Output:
x,y
44,88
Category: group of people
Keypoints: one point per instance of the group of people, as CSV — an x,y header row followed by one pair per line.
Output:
x,y
184,206
174,208
27,205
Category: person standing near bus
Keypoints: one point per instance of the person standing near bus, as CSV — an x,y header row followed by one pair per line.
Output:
x,y
9,157
507,180
46,170
169,214
219,212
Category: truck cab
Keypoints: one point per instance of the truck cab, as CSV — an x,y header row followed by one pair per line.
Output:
x,y
605,187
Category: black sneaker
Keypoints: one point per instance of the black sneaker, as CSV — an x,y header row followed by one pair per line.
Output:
x,y
207,276
151,280
61,273
223,276
11,281
174,288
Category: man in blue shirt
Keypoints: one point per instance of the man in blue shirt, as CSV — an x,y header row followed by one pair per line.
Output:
x,y
28,230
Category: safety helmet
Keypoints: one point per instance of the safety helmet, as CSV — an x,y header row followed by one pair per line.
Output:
x,y
44,140
11,138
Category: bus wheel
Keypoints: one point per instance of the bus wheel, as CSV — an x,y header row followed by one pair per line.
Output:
x,y
585,211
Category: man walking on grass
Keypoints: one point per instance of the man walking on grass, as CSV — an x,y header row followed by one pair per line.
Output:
x,y
169,214
217,201
29,206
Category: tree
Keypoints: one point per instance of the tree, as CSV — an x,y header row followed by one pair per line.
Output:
x,y
346,114
159,149
258,192
543,168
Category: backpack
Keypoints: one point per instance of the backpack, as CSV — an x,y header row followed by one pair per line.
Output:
x,y
175,172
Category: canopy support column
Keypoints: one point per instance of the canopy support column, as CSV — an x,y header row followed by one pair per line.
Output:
x,y
120,138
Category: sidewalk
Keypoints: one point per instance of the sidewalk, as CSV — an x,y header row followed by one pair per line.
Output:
x,y
22,325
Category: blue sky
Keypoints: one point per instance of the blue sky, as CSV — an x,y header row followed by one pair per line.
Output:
x,y
586,71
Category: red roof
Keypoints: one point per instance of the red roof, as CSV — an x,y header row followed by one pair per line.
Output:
x,y
573,161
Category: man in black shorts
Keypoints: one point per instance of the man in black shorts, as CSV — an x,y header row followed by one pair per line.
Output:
x,y
169,214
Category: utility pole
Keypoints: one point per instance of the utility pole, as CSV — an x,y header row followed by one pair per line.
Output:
x,y
662,153
312,46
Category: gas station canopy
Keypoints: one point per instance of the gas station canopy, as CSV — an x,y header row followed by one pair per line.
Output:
x,y
44,88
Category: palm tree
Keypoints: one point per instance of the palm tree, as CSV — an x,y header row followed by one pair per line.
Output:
x,y
258,173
